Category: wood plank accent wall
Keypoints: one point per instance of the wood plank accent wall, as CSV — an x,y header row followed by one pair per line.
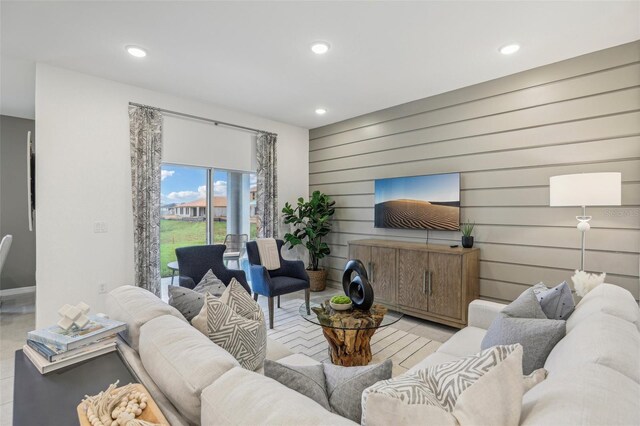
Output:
x,y
506,137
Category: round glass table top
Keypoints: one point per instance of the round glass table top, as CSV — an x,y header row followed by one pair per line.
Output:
x,y
321,313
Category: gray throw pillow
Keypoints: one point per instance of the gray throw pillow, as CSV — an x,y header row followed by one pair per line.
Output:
x,y
526,305
187,301
345,386
342,386
307,380
557,302
537,337
210,284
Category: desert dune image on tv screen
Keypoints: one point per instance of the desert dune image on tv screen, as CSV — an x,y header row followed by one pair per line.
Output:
x,y
418,202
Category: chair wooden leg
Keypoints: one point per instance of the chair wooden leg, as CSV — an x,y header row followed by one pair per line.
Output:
x,y
307,296
255,296
270,312
278,302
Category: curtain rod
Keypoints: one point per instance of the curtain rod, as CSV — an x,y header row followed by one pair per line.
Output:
x,y
195,117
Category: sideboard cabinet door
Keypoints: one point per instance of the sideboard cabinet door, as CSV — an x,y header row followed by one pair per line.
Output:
x,y
382,274
413,269
445,285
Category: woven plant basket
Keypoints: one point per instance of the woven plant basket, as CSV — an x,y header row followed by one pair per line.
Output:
x,y
317,279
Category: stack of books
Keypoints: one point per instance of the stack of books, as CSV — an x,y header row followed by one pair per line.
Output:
x,y
52,348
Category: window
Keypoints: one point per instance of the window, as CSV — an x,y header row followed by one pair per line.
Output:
x,y
187,195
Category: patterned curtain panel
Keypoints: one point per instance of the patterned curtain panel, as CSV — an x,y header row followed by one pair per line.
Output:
x,y
267,190
145,136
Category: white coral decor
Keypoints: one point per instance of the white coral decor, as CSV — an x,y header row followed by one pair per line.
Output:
x,y
584,282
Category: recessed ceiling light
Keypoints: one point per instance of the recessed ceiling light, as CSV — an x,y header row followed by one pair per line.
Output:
x,y
320,47
136,51
321,111
509,49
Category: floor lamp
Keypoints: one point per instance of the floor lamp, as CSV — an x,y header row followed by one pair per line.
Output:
x,y
585,189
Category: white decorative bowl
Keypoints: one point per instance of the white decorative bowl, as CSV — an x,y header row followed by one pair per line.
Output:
x,y
341,306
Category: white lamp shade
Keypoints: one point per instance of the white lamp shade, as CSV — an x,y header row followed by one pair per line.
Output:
x,y
586,189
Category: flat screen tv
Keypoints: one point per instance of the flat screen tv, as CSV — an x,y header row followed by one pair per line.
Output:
x,y
418,202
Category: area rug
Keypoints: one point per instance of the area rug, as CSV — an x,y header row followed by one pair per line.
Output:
x,y
300,336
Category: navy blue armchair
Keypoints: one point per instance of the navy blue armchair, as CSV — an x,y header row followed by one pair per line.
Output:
x,y
195,261
291,277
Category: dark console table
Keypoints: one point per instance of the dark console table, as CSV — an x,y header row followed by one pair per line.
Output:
x,y
52,399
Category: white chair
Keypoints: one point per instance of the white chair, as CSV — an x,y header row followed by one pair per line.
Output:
x,y
5,245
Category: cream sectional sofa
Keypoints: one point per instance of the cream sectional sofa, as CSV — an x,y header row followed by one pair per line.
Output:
x,y
594,372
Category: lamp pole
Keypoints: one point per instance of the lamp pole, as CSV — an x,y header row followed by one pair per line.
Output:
x,y
583,227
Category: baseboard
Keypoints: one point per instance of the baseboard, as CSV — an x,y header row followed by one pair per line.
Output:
x,y
15,291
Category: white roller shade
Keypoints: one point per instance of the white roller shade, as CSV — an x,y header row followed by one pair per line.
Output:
x,y
586,189
198,143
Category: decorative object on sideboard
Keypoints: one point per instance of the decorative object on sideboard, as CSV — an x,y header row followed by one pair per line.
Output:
x,y
128,405
584,282
311,221
467,230
74,316
358,289
585,189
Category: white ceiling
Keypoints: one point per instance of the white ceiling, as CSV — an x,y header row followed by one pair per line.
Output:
x,y
255,57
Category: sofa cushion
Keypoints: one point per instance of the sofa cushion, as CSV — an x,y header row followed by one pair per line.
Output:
x,y
233,399
237,298
596,395
182,362
210,284
132,358
482,389
609,299
464,343
244,338
136,306
527,304
557,302
187,301
537,337
345,386
307,380
336,388
600,339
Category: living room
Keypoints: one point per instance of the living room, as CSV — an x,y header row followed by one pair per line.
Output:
x,y
390,206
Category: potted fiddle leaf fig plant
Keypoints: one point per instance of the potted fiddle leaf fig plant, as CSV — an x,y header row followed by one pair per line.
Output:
x,y
311,222
467,230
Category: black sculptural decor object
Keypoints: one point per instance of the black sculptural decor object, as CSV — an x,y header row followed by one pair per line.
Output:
x,y
358,289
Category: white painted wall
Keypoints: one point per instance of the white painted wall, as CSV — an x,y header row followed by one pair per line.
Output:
x,y
83,176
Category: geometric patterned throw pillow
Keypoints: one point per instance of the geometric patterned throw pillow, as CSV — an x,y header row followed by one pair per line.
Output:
x,y
244,338
237,298
485,388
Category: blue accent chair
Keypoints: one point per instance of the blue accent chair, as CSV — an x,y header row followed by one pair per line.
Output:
x,y
291,277
195,261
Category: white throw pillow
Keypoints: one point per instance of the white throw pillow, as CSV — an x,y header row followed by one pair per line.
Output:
x,y
485,388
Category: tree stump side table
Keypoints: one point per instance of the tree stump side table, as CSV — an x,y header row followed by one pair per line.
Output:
x,y
349,332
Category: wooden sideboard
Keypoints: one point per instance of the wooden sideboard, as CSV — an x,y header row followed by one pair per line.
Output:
x,y
429,281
